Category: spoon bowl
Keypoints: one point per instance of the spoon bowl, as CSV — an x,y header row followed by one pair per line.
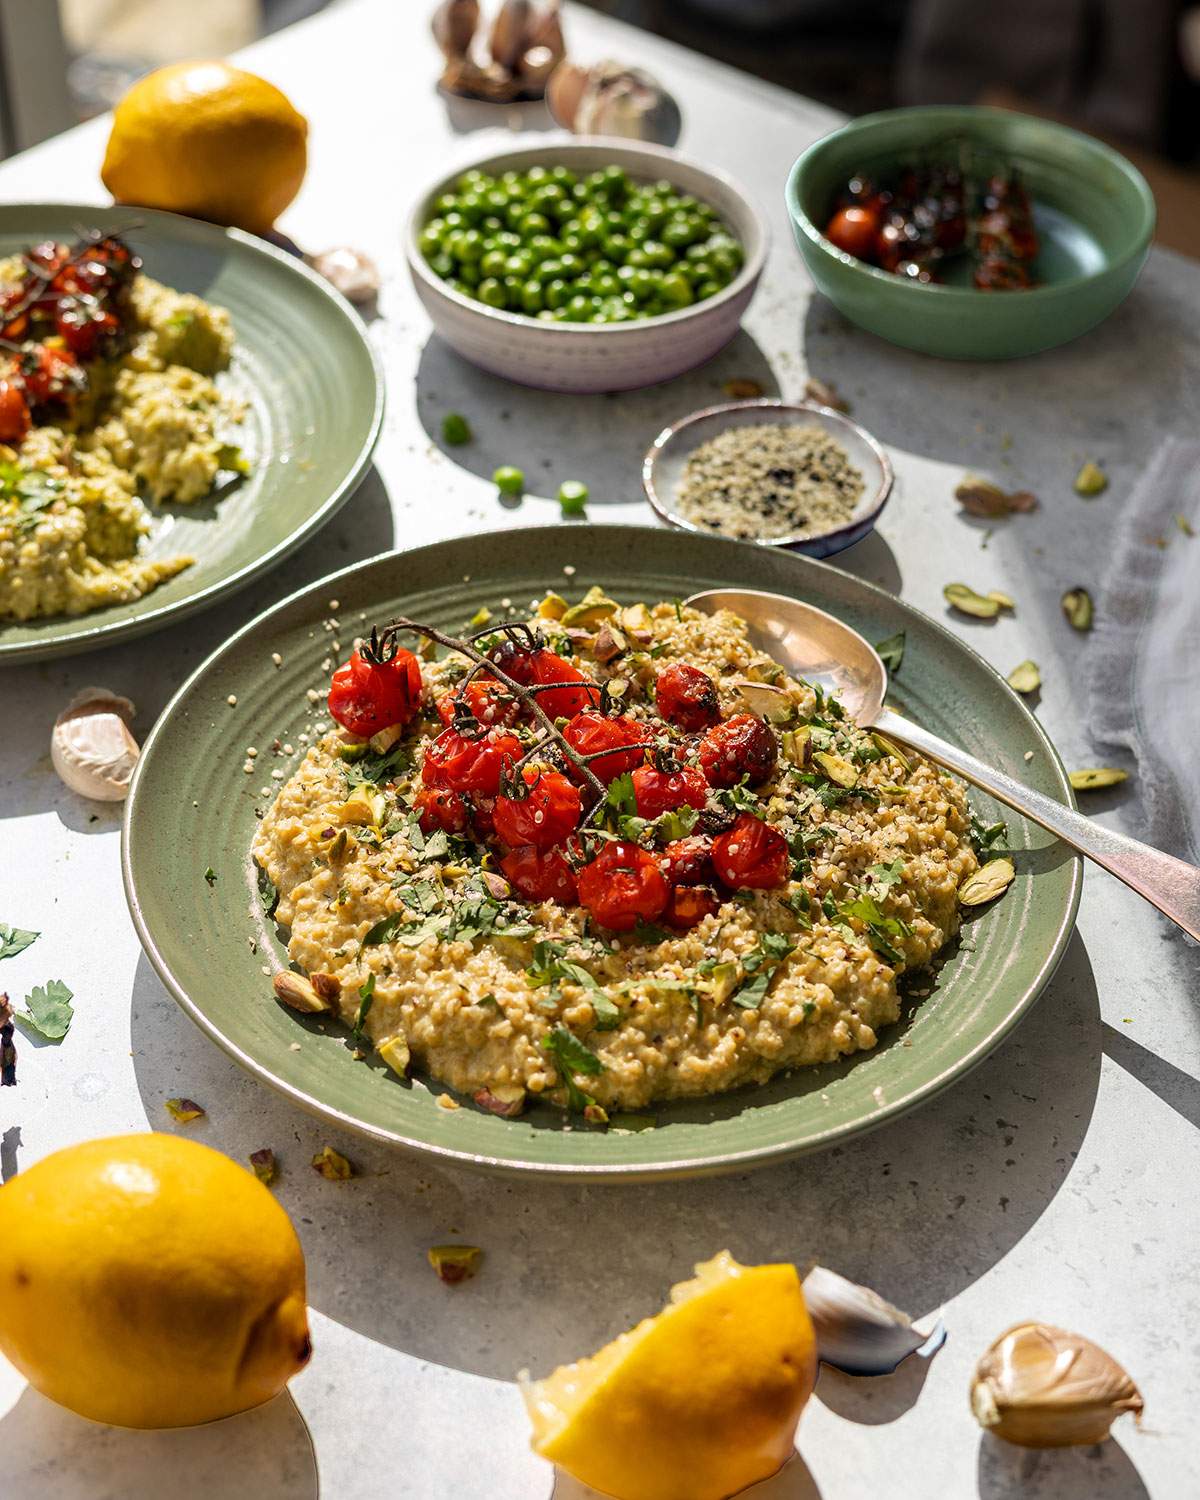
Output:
x,y
817,647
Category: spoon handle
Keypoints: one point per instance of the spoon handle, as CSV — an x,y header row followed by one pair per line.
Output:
x,y
1168,883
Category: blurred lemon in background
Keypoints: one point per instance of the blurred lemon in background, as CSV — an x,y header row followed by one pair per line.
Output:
x,y
694,1404
149,1281
209,140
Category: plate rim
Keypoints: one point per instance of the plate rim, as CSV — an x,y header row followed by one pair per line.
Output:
x,y
95,636
692,1167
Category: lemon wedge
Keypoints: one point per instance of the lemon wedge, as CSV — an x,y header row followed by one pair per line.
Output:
x,y
693,1404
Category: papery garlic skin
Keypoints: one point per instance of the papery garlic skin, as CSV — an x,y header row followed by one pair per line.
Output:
x,y
857,1331
91,746
1042,1387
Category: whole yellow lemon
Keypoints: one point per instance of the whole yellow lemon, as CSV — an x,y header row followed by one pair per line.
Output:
x,y
149,1281
209,140
696,1403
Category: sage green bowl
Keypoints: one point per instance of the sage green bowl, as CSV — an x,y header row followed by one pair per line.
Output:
x,y
1093,210
191,806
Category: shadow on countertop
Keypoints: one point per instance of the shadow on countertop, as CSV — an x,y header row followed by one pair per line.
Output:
x,y
936,1198
1103,1471
60,1456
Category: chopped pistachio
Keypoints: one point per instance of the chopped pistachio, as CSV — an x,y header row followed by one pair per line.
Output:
x,y
1091,480
184,1110
980,497
395,1052
797,745
552,607
591,609
480,618
505,1101
263,1162
837,768
595,1114
742,390
454,1263
1077,606
332,1164
962,597
770,703
721,983
384,739
987,883
365,805
1094,778
636,619
297,992
1025,677
885,746
824,393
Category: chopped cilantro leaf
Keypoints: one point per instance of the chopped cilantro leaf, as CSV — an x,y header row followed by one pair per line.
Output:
x,y
385,930
14,940
210,875
891,651
267,893
366,997
570,1057
50,1010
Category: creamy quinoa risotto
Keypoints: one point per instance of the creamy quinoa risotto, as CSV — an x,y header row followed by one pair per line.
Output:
x,y
684,871
107,401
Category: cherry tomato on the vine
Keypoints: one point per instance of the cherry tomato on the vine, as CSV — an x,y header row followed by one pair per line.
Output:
x,y
540,874
688,905
469,765
366,696
14,412
689,861
438,807
49,375
488,702
660,791
686,697
592,733
622,886
547,813
751,855
741,746
544,669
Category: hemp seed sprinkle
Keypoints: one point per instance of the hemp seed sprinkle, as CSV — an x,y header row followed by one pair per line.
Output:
x,y
769,480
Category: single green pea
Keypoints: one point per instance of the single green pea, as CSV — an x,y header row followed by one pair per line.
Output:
x,y
532,298
442,265
572,497
446,203
534,223
456,430
509,481
429,242
707,289
469,273
492,292
675,290
579,307
493,263
467,246
557,292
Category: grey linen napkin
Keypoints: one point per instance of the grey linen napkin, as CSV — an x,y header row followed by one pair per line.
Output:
x,y
1147,646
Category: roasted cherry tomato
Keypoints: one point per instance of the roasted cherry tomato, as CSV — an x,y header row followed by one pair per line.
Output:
x,y
540,874
689,904
689,861
741,746
543,668
470,765
14,412
437,807
751,856
50,375
488,702
622,886
686,697
854,230
547,813
660,791
367,696
593,733
84,325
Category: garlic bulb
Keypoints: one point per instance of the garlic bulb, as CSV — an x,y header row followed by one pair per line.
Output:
x,y
857,1331
91,746
1042,1387
611,99
454,24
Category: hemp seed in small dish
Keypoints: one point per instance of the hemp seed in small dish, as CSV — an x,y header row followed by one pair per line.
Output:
x,y
769,481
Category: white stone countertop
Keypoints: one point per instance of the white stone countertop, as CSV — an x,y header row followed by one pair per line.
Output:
x,y
1058,1181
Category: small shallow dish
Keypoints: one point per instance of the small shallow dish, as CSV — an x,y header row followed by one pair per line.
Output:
x,y
663,465
313,390
587,357
1093,210
190,807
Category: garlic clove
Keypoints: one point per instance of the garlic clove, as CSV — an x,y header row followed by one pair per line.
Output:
x,y
454,25
351,271
510,33
564,91
857,1331
91,746
1042,1387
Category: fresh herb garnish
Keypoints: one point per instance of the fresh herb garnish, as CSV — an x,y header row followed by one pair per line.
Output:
x,y
385,930
880,927
985,836
891,651
738,798
268,894
760,965
886,876
50,1010
374,769
14,940
571,1056
366,997
210,876
550,968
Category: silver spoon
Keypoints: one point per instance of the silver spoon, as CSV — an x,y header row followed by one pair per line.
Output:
x,y
823,651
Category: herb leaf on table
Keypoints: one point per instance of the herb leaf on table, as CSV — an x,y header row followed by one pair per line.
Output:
x,y
14,940
49,1010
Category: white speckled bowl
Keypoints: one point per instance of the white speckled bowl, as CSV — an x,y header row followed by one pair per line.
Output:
x,y
667,456
584,356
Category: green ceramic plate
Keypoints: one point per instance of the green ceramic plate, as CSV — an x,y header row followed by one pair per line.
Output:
x,y
191,806
315,402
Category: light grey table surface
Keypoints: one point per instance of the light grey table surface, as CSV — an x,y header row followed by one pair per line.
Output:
x,y
1059,1181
